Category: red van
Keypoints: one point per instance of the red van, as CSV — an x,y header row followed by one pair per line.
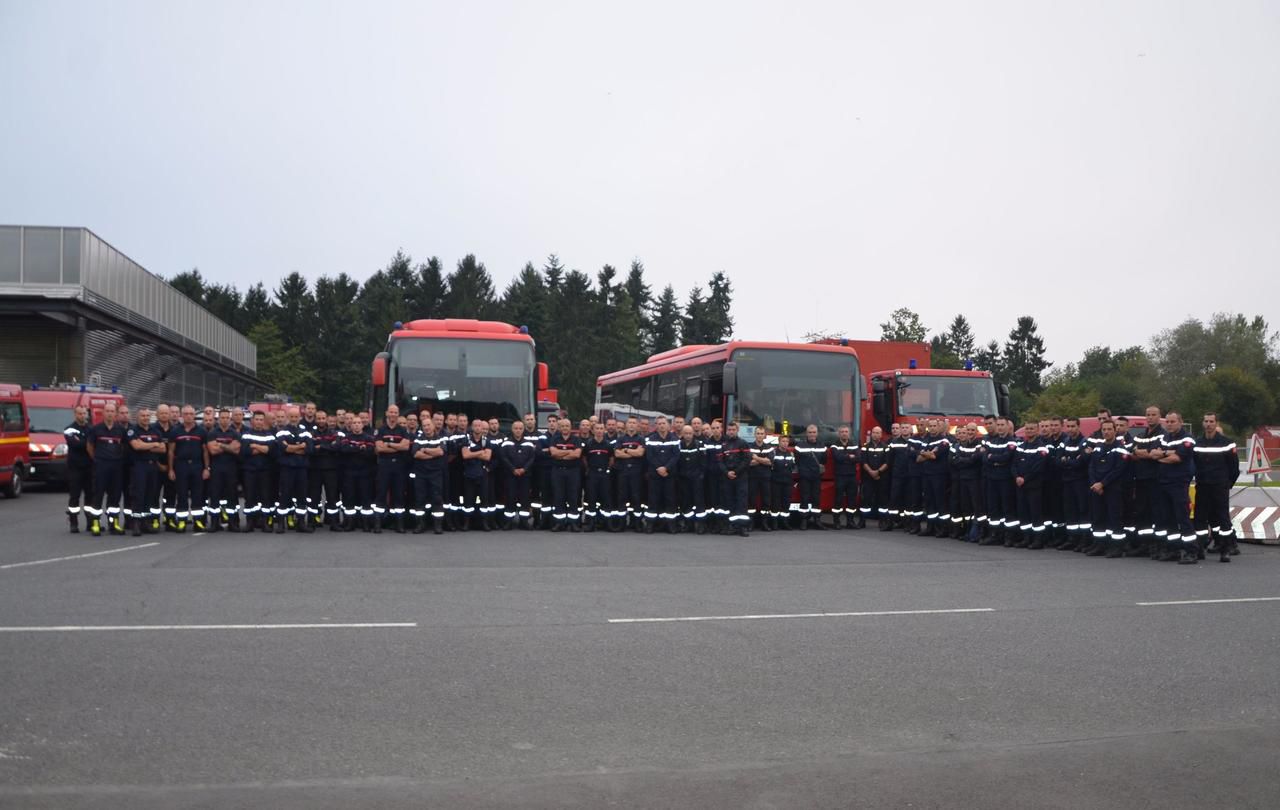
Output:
x,y
50,410
14,440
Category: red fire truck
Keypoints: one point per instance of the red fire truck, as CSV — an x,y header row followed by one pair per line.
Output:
x,y
52,409
14,439
485,369
900,386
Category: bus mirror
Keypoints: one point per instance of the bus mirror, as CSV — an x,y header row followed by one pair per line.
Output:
x,y
730,386
860,385
877,385
379,373
1002,399
543,377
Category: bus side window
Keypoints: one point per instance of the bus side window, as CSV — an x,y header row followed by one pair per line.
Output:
x,y
713,399
667,402
692,399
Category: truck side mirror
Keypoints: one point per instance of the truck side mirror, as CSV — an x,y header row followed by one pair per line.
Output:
x,y
730,382
1002,399
543,376
379,372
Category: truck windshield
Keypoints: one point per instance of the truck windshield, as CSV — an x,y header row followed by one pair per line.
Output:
x,y
920,395
51,420
482,378
787,389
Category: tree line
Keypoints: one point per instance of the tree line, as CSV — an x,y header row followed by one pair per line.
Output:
x,y
1229,364
317,341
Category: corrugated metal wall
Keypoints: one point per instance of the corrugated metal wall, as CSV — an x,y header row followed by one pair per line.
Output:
x,y
148,377
35,350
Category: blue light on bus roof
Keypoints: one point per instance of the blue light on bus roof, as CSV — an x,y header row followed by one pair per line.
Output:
x,y
82,389
115,389
397,325
524,330
968,365
911,363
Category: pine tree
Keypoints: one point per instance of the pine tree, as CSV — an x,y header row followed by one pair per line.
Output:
x,y
1023,358
294,309
988,358
280,365
665,322
524,303
470,291
256,306
429,292
190,284
693,324
719,305
641,301
339,360
960,339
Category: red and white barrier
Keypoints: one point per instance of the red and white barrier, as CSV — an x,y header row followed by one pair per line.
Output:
x,y
1257,524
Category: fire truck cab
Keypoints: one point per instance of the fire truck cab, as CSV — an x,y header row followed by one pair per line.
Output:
x,y
14,440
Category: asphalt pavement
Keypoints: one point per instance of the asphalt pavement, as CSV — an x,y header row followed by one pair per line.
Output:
x,y
834,669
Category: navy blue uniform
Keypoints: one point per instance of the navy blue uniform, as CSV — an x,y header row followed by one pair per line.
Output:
x,y
874,492
388,489
566,482
811,460
735,455
1217,469
630,472
692,484
598,495
998,454
144,486
662,452
759,495
933,481
781,474
1108,465
358,466
79,470
1175,483
427,476
845,458
965,461
518,458
477,483
108,445
256,465
1029,465
224,472
1148,503
1072,463
293,469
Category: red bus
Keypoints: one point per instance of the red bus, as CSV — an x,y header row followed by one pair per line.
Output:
x,y
485,369
782,387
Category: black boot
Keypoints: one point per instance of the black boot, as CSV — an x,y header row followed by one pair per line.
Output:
x,y
376,520
399,524
1188,556
437,525
419,525
279,524
74,520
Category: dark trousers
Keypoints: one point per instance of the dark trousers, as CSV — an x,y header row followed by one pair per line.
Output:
x,y
900,498
1177,512
1213,512
1031,508
693,497
79,485
108,482
758,496
566,494
662,498
388,490
169,494
1107,514
1077,509
874,497
518,495
222,491
735,491
934,489
189,485
258,497
428,493
1002,510
598,499
544,491
144,491
810,497
477,496
715,495
357,491
323,479
846,501
293,492
631,492
1146,506
780,497
1052,500
966,500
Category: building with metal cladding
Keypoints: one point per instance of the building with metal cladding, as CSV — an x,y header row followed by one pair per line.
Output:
x,y
73,308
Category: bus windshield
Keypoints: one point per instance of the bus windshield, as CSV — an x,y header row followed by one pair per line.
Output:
x,y
786,389
482,378
920,395
51,420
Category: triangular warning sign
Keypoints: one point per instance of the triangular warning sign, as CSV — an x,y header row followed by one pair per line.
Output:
x,y
1258,462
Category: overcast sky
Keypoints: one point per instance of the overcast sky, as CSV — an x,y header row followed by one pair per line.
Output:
x,y
836,159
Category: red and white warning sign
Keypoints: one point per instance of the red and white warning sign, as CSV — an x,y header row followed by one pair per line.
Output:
x,y
1258,462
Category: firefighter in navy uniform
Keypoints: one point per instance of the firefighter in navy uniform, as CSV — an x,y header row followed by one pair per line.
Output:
x,y
391,441
1147,499
1177,466
713,473
427,474
965,461
662,455
296,444
106,449
188,470
477,484
1028,471
166,420
148,447
630,466
874,492
358,451
735,455
1217,469
1108,463
932,459
257,456
999,451
845,458
224,463
692,483
324,472
1072,462
598,496
759,501
79,467
811,460
781,473
518,454
902,457
566,477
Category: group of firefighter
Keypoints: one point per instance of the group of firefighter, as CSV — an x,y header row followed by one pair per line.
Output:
x,y
1112,493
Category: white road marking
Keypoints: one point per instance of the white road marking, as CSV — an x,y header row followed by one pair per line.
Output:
x,y
76,556
1213,601
72,628
799,615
